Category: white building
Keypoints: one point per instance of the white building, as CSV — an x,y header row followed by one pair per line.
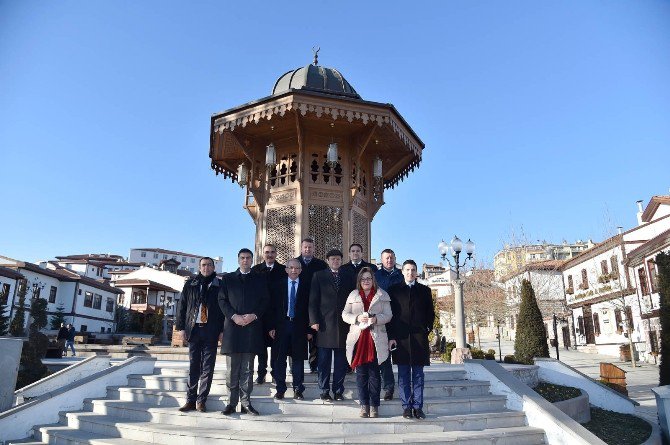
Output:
x,y
547,282
153,256
148,289
87,303
9,283
601,290
96,265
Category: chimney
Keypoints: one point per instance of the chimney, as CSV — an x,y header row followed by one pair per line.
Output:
x,y
639,212
619,230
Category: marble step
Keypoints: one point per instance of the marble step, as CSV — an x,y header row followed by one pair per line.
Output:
x,y
432,388
297,423
136,432
344,408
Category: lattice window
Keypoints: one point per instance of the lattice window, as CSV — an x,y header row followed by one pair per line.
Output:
x,y
286,172
321,172
325,227
280,231
358,180
360,230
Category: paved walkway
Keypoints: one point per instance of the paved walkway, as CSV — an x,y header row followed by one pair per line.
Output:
x,y
639,380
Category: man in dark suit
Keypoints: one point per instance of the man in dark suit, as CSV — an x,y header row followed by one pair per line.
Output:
x,y
356,261
274,272
413,317
200,321
243,298
290,299
310,265
327,297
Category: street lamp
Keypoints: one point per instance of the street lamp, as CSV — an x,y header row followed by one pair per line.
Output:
x,y
454,248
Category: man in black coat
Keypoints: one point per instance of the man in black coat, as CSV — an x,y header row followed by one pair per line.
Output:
x,y
328,295
201,322
290,330
413,317
310,265
243,298
356,261
274,272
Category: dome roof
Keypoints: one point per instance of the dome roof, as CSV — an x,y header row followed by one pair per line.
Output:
x,y
315,78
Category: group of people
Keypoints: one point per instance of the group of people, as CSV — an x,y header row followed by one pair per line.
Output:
x,y
335,315
65,338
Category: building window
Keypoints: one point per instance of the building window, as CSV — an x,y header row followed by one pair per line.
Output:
x,y
88,299
603,267
4,295
571,287
79,291
580,325
143,254
110,305
653,340
109,330
165,257
585,280
644,288
183,259
596,323
653,278
139,297
155,256
97,301
629,318
122,299
193,260
52,294
618,320
84,328
614,263
102,330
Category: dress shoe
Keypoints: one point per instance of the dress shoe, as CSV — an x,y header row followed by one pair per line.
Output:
x,y
201,407
279,396
388,395
298,396
365,411
418,413
374,412
326,396
338,396
260,380
407,413
188,406
228,410
250,410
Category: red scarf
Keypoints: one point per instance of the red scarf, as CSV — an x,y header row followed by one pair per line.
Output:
x,y
365,347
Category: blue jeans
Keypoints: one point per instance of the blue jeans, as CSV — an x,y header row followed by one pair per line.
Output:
x,y
367,380
70,344
339,369
282,346
388,379
410,386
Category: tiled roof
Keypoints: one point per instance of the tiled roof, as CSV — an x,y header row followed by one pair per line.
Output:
x,y
10,273
653,205
129,282
171,252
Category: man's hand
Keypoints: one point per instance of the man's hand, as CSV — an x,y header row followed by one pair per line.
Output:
x,y
248,318
309,336
272,334
315,326
221,338
238,320
372,320
180,332
392,344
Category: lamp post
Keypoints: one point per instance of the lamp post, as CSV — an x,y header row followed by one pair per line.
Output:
x,y
454,248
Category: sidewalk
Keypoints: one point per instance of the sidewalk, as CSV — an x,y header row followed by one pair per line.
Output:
x,y
639,380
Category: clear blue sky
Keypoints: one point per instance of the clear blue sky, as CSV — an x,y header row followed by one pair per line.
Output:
x,y
551,116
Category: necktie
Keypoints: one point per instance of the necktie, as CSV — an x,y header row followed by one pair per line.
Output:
x,y
203,314
291,301
336,279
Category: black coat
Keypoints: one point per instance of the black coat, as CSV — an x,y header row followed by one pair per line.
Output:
x,y
413,317
326,305
241,295
62,333
277,273
349,267
189,304
307,272
279,300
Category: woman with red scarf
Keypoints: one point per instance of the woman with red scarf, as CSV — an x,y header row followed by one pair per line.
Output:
x,y
367,310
